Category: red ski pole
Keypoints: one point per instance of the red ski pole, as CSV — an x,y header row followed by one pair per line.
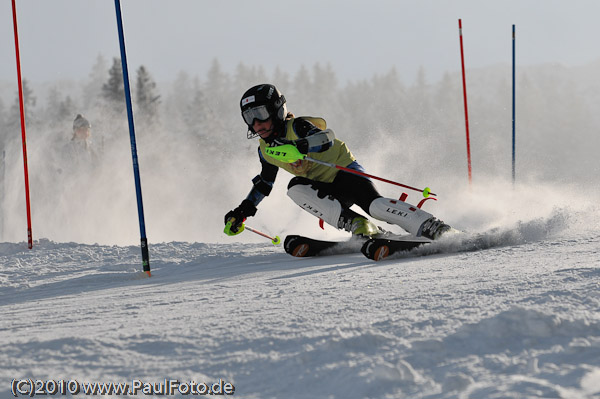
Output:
x,y
275,240
426,191
289,153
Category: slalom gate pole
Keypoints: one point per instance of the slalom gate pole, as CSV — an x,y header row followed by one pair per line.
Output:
x,y
462,58
23,136
136,169
2,194
426,191
513,104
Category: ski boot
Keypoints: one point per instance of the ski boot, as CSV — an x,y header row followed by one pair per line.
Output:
x,y
362,226
433,228
356,224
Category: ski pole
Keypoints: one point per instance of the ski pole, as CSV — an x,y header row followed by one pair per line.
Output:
x,y
275,240
426,191
289,153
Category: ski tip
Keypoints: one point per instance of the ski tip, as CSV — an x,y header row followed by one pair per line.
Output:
x,y
375,251
295,246
300,251
381,253
380,248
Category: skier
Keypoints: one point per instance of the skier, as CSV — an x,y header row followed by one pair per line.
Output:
x,y
81,129
324,192
79,149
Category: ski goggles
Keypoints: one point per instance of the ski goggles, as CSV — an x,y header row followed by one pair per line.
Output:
x,y
261,113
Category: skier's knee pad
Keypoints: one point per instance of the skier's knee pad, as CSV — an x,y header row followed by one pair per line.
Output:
x,y
405,215
324,207
299,180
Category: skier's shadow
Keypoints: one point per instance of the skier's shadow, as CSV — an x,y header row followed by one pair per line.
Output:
x,y
334,263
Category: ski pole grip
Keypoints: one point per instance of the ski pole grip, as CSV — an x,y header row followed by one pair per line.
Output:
x,y
287,153
228,231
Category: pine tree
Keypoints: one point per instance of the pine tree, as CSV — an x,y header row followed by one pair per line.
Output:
x,y
147,98
113,90
301,92
390,107
92,91
419,104
66,108
3,130
179,97
195,113
58,110
222,94
202,122
281,79
248,76
13,120
324,87
217,81
2,113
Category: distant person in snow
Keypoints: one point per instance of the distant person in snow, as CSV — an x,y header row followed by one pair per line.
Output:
x,y
323,191
82,130
80,149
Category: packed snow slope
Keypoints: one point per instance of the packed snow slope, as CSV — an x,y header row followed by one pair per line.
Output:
x,y
509,312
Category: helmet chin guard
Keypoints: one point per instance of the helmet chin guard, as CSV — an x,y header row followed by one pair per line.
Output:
x,y
251,134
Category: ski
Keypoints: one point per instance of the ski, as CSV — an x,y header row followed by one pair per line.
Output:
x,y
380,248
301,246
373,248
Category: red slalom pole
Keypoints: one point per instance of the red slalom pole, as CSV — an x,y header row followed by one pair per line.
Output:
x,y
23,136
462,58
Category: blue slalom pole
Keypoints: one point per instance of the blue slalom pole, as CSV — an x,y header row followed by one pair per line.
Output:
x,y
136,168
513,103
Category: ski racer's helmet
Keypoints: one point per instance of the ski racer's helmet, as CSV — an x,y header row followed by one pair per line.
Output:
x,y
262,102
80,122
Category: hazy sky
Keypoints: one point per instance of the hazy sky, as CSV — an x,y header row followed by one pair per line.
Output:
x,y
60,39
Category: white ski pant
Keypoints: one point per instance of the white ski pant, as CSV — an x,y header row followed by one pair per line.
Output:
x,y
329,209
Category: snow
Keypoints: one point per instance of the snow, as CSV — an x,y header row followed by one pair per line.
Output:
x,y
510,311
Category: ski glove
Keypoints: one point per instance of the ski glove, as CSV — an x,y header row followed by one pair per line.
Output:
x,y
300,144
239,215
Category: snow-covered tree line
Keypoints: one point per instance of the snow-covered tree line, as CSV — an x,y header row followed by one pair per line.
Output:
x,y
373,114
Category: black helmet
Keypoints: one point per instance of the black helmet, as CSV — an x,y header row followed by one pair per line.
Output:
x,y
262,102
81,122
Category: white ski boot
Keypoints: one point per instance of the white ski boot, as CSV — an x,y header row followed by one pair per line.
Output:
x,y
412,219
